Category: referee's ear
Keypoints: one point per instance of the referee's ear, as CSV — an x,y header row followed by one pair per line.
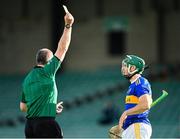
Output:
x,y
23,107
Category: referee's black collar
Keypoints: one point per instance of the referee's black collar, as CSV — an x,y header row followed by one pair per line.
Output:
x,y
35,67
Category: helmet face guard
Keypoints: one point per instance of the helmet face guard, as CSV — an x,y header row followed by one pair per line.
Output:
x,y
132,60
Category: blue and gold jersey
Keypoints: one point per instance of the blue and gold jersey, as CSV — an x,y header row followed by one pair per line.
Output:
x,y
136,90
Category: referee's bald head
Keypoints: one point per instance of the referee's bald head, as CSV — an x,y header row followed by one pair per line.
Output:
x,y
43,56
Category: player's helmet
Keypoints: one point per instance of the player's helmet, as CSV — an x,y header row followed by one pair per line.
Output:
x,y
131,60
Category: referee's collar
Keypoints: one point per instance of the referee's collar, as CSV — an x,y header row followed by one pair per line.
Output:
x,y
35,67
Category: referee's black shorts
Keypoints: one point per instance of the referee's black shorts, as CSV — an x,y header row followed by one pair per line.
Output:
x,y
42,127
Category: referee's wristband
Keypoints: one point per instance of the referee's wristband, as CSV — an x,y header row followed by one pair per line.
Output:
x,y
68,26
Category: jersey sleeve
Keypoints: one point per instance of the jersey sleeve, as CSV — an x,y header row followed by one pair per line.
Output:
x,y
143,89
22,98
52,66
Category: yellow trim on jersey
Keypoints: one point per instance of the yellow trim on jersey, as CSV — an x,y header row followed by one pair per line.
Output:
x,y
132,99
137,130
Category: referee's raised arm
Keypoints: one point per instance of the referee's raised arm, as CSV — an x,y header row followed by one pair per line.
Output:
x,y
65,39
40,92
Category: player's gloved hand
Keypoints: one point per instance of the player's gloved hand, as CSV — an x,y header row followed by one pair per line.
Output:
x,y
59,107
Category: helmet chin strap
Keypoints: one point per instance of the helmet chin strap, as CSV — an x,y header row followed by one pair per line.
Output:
x,y
130,76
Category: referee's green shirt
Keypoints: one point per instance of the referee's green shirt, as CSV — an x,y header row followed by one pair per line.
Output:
x,y
40,91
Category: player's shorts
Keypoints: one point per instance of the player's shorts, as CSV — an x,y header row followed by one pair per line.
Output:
x,y
42,127
137,131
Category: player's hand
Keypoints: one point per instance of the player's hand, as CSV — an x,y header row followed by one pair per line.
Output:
x,y
69,19
122,119
59,107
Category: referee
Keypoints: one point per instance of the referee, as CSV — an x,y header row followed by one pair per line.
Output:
x,y
39,95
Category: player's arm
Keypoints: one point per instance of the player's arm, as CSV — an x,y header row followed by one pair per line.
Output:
x,y
143,105
23,107
65,39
